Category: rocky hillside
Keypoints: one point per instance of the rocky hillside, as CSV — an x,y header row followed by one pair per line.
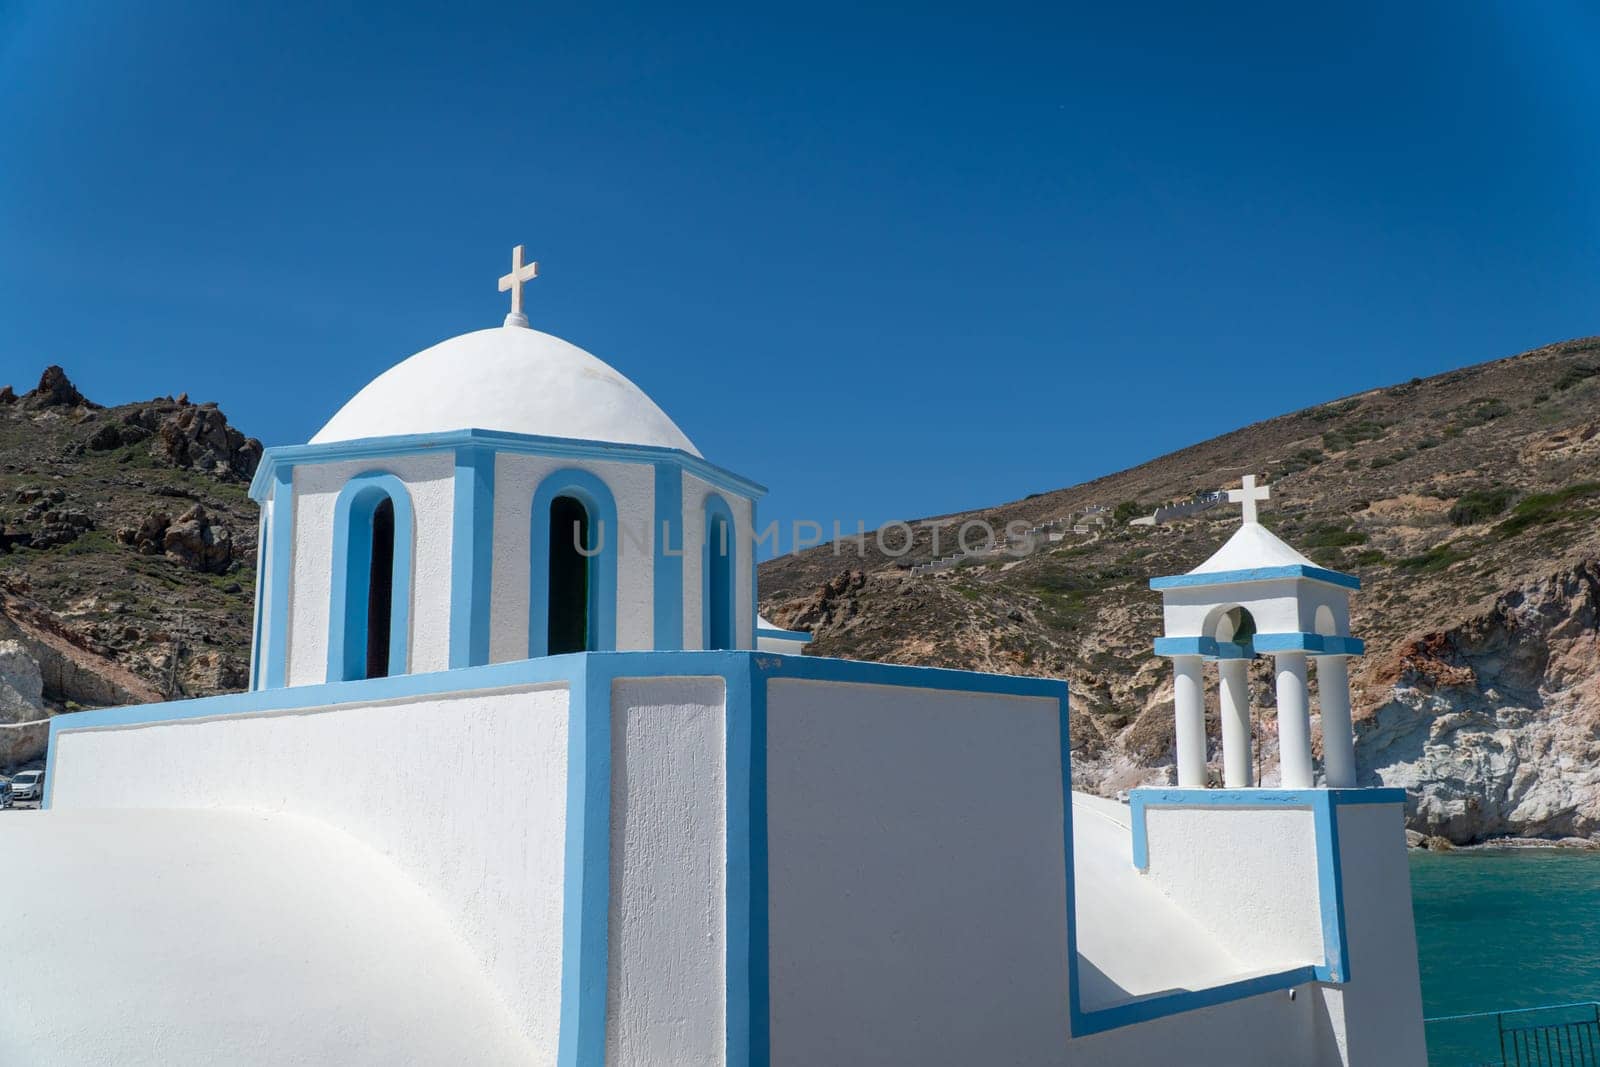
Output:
x,y
127,549
1468,503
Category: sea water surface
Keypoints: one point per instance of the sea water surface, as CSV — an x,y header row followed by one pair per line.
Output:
x,y
1500,929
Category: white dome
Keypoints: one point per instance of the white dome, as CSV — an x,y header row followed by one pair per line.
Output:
x,y
511,379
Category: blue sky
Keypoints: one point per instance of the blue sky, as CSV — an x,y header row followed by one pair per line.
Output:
x,y
890,262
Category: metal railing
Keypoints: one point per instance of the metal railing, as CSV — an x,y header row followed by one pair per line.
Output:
x,y
1553,1035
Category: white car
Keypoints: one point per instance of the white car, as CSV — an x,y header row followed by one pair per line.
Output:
x,y
28,785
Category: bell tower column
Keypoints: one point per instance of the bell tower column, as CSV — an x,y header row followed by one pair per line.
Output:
x,y
1294,721
1338,736
1233,676
1189,705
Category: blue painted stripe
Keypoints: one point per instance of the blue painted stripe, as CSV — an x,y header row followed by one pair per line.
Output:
x,y
1161,1005
755,607
260,607
1316,644
828,669
587,897
274,673
499,441
1258,574
740,905
774,634
471,556
667,542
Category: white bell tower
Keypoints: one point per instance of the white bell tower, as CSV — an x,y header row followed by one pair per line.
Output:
x,y
1257,596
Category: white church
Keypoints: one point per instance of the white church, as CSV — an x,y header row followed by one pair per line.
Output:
x,y
522,777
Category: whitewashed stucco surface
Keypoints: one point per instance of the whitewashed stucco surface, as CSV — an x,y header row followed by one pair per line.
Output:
x,y
1133,939
918,876
665,1003
231,937
465,795
1246,875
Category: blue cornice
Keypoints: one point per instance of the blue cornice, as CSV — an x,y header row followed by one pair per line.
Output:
x,y
1258,574
288,456
772,633
1314,644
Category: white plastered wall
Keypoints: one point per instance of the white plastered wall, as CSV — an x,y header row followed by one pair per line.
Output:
x,y
1247,875
695,491
1377,1016
516,479
667,991
430,479
483,838
1279,606
918,878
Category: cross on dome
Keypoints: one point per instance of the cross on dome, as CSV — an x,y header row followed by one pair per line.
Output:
x,y
520,274
1248,496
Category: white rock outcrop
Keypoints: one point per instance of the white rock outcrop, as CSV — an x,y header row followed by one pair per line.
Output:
x,y
1494,726
21,685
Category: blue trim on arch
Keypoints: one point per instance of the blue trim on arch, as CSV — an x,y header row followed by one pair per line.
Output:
x,y
716,509
755,603
379,448
1211,648
667,628
1258,574
352,563
274,671
471,556
604,533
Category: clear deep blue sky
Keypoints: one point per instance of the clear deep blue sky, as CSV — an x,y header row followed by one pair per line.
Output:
x,y
890,263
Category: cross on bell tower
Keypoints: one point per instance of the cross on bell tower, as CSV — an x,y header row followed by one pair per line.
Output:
x,y
1247,497
520,274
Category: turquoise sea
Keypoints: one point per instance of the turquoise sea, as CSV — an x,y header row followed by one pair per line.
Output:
x,y
1499,929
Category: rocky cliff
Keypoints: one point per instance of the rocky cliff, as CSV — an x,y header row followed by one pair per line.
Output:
x,y
127,550
1468,503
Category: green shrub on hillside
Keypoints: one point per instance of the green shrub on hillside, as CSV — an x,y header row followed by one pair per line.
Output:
x,y
1301,460
1128,509
1482,410
1436,558
1333,536
1480,504
1540,509
1352,433
1575,375
1335,410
